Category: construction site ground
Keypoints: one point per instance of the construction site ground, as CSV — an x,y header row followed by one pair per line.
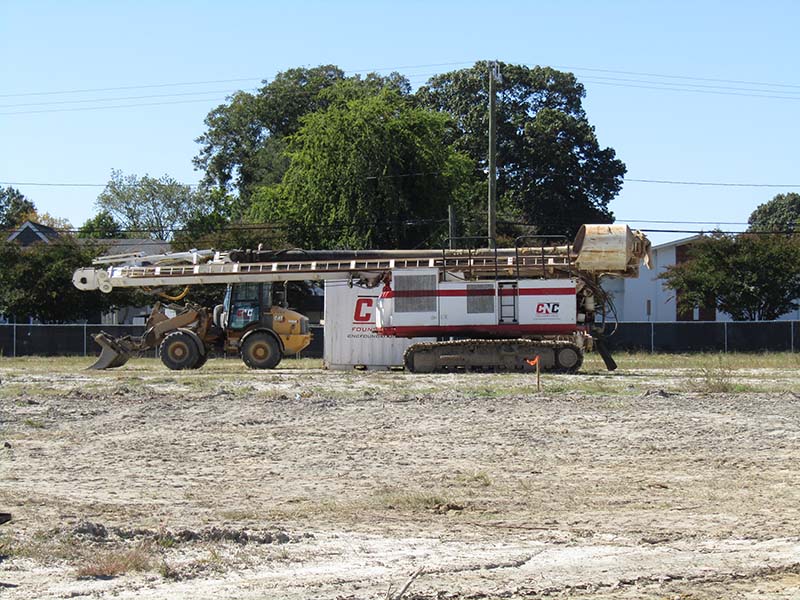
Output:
x,y
673,477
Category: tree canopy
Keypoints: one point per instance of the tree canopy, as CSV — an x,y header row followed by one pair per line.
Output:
x,y
101,226
782,213
750,277
36,281
552,171
150,207
370,171
14,208
553,174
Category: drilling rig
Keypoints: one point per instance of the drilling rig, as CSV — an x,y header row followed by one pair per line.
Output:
x,y
490,309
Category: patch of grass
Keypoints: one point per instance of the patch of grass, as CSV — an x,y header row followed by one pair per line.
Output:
x,y
168,572
239,515
33,423
477,479
113,563
411,500
717,379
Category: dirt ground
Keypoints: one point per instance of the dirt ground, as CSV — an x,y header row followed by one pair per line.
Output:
x,y
653,482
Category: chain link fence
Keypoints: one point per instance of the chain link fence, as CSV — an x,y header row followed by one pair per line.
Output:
x,y
777,336
76,340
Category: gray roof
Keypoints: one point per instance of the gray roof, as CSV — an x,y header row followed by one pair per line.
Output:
x,y
133,245
31,231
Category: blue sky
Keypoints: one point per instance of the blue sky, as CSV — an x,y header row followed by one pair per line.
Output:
x,y
729,130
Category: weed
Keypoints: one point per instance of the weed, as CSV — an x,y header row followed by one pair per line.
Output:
x,y
477,479
239,515
112,563
168,572
33,423
714,379
411,500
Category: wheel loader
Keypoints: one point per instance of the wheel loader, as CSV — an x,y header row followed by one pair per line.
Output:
x,y
247,323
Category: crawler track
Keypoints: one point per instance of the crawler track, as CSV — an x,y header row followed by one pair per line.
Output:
x,y
493,355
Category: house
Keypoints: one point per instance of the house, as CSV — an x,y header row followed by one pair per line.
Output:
x,y
31,232
646,299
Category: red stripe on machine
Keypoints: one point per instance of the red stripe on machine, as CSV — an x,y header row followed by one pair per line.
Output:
x,y
465,293
512,330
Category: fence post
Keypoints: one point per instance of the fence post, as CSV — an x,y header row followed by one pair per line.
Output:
x,y
725,329
14,339
84,339
791,336
652,337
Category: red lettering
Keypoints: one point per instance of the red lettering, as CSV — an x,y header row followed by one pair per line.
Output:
x,y
363,311
547,308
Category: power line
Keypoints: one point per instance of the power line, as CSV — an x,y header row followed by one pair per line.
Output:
x,y
618,220
210,81
428,173
128,87
115,99
684,77
695,91
715,183
86,108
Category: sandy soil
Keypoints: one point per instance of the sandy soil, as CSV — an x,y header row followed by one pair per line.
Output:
x,y
301,483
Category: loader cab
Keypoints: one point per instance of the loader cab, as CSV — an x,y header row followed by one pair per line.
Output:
x,y
246,304
258,327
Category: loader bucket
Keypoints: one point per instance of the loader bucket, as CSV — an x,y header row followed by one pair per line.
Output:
x,y
113,354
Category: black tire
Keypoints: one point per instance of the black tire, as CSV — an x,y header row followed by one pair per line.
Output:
x,y
261,351
568,359
201,361
179,351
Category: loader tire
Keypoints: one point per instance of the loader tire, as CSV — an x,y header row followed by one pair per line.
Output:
x,y
201,361
261,351
179,351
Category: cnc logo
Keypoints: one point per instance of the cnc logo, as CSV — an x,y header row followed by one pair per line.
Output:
x,y
547,308
364,312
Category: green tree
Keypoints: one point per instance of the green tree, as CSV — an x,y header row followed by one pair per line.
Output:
x,y
14,208
552,171
149,207
750,277
36,281
245,142
101,226
782,213
367,172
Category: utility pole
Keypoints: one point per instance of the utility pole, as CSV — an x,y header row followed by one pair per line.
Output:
x,y
494,74
451,220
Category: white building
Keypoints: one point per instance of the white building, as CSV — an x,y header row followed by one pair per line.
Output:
x,y
646,299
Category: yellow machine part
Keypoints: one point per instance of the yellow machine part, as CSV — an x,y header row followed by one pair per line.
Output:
x,y
292,328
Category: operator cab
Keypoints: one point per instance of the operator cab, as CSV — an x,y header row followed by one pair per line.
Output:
x,y
246,304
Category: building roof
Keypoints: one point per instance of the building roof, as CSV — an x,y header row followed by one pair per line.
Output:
x,y
133,245
31,232
679,242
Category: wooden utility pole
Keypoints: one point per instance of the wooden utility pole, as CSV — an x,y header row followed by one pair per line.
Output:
x,y
492,233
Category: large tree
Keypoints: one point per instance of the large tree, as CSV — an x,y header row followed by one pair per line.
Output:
x,y
370,171
245,141
14,208
101,226
150,207
36,281
552,171
749,276
782,213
